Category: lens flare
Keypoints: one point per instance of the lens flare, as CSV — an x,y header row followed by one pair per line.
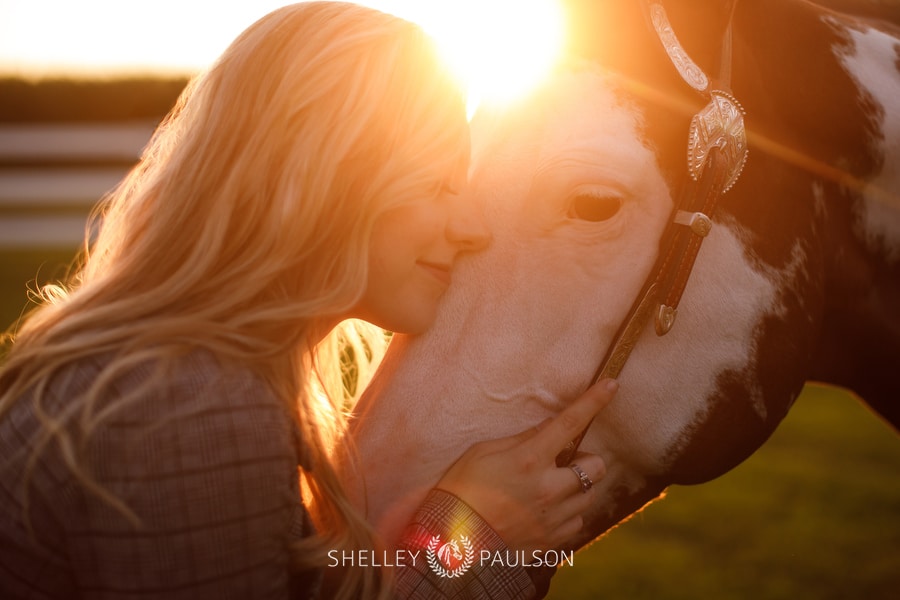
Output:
x,y
500,48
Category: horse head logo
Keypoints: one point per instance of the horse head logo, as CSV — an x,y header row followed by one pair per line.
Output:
x,y
448,559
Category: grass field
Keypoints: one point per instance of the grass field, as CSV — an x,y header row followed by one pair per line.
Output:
x,y
814,514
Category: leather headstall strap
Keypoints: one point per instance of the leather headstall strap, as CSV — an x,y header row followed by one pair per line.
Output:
x,y
717,151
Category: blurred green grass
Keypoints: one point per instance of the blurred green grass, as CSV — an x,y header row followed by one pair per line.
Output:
x,y
815,513
24,270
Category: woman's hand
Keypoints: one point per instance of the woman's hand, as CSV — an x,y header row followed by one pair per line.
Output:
x,y
515,485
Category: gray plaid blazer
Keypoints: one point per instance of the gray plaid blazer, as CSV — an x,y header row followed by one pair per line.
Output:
x,y
208,466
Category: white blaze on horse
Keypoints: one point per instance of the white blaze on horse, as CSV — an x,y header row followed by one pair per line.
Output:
x,y
798,279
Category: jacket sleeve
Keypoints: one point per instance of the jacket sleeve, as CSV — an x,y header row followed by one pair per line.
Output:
x,y
468,567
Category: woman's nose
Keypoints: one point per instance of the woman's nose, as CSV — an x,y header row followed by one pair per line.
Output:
x,y
466,226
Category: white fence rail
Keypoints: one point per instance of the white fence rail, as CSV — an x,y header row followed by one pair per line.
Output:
x,y
52,174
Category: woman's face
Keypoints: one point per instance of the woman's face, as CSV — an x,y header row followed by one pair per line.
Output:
x,y
412,253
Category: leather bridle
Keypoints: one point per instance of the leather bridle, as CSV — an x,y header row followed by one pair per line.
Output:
x,y
717,151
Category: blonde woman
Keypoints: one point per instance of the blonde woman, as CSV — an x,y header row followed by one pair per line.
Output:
x,y
170,420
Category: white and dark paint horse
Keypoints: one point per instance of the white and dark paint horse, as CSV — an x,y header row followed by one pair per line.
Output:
x,y
798,280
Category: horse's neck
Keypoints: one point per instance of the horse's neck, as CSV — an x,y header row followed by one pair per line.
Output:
x,y
840,159
860,335
424,407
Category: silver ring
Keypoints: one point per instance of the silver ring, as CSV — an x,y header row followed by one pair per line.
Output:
x,y
583,479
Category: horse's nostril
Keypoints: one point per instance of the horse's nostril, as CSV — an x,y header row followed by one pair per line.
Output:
x,y
588,207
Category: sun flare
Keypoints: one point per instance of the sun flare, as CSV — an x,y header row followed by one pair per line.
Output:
x,y
500,48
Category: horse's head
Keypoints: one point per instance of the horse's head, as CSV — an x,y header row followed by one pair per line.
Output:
x,y
577,202
578,183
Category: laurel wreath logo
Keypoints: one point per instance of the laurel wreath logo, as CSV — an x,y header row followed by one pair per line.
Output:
x,y
439,568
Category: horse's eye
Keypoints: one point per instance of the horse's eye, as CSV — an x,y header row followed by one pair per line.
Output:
x,y
595,209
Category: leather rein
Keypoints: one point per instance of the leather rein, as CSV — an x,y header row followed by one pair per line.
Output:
x,y
717,151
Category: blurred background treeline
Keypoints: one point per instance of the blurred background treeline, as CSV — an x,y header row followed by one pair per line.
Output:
x,y
63,143
56,100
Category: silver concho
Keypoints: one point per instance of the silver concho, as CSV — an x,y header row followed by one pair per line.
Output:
x,y
687,68
720,124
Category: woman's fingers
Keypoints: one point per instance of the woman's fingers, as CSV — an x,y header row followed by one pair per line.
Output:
x,y
574,498
581,475
553,436
514,482
568,530
571,514
506,443
574,484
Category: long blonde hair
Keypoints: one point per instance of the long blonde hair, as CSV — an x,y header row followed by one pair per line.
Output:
x,y
245,229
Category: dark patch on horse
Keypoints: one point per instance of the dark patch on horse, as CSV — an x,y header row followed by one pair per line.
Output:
x,y
782,67
736,424
859,346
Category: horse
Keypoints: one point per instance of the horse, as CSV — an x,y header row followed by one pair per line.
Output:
x,y
795,280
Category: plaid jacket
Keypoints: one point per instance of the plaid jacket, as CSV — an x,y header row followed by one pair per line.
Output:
x,y
209,468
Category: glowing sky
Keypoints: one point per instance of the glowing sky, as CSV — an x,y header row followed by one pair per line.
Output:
x,y
499,45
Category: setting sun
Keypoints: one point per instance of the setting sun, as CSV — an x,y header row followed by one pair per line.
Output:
x,y
500,48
